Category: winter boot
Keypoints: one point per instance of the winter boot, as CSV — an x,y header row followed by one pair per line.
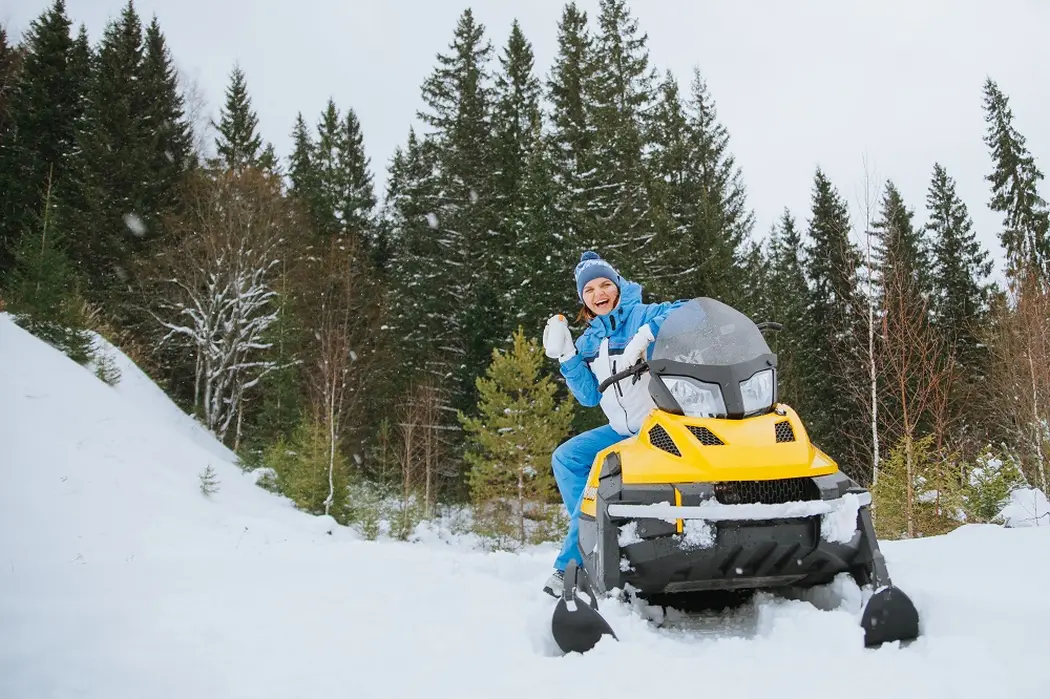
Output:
x,y
555,584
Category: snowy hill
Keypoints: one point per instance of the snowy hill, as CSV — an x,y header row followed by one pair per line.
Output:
x,y
119,578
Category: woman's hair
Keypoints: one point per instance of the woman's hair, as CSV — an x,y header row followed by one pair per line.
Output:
x,y
584,314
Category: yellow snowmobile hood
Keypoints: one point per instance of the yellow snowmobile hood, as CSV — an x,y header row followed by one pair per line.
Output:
x,y
673,449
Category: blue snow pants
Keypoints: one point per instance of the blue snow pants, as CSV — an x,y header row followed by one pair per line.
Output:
x,y
572,463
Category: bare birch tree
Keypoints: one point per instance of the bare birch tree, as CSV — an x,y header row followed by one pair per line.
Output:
x,y
918,374
339,299
217,296
1019,376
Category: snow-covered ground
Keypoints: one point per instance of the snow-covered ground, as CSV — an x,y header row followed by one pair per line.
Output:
x,y
119,578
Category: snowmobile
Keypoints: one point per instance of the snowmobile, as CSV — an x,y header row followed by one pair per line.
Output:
x,y
720,490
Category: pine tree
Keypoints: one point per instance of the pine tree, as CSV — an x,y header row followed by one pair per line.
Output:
x,y
519,425
302,467
10,70
44,107
326,171
834,365
544,282
788,296
281,390
674,191
898,251
516,120
959,266
722,223
113,187
1015,195
458,96
571,142
301,173
356,208
42,291
622,95
238,143
516,145
170,139
416,306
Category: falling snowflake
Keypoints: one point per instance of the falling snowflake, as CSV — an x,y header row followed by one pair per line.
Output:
x,y
135,224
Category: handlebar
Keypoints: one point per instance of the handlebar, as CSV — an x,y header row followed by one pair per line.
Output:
x,y
770,325
633,370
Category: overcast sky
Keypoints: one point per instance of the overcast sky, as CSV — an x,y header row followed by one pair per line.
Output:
x,y
798,84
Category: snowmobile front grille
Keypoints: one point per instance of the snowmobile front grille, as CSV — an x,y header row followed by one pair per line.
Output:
x,y
661,440
706,436
785,433
774,492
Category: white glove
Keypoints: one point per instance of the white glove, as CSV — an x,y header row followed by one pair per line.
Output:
x,y
636,348
557,340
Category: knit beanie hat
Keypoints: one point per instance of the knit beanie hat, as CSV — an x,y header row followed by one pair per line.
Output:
x,y
592,266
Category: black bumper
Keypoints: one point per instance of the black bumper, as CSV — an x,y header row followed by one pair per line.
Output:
x,y
735,554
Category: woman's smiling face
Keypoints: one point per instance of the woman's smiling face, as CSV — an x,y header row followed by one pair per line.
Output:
x,y
600,295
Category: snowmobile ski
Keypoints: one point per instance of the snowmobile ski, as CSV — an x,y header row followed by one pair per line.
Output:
x,y
889,616
577,625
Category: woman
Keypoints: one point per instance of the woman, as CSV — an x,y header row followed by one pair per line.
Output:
x,y
618,334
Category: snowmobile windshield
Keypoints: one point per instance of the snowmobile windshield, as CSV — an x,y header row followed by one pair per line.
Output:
x,y
710,360
706,331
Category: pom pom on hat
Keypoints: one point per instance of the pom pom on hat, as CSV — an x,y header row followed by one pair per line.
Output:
x,y
592,266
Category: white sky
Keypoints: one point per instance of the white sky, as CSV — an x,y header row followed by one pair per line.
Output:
x,y
798,84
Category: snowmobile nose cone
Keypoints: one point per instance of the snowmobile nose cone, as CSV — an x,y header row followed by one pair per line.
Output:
x,y
889,616
577,625
578,630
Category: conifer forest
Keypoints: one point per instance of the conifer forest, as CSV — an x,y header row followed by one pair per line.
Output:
x,y
375,355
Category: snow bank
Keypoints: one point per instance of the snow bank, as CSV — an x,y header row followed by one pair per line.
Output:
x,y
120,579
1028,507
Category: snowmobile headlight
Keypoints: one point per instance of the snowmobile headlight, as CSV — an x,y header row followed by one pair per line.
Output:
x,y
697,398
757,392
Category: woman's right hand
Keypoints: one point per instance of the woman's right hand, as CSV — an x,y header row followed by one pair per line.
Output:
x,y
557,340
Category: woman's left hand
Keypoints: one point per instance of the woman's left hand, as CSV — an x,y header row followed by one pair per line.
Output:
x,y
636,348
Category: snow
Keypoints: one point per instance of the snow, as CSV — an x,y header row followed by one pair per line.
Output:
x,y
840,525
120,579
713,511
1028,507
697,534
135,224
628,535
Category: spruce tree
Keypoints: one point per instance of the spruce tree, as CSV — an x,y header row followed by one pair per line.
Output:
x,y
834,363
1015,180
168,133
113,189
722,222
674,191
622,95
571,141
959,266
788,299
238,143
301,173
546,283
10,69
417,306
356,205
326,171
519,424
516,147
458,97
516,120
44,108
899,254
42,287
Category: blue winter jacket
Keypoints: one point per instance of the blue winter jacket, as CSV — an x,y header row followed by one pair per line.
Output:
x,y
598,352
